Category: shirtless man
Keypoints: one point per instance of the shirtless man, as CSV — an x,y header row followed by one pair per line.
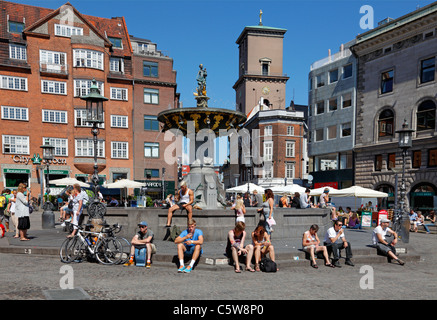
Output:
x,y
186,199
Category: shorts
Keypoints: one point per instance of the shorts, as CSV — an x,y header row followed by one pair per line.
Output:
x,y
190,250
23,223
75,220
307,248
142,246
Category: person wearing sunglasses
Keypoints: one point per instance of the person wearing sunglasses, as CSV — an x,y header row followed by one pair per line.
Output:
x,y
143,239
335,241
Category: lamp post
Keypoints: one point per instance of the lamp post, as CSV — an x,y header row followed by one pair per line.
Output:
x,y
94,116
48,217
405,143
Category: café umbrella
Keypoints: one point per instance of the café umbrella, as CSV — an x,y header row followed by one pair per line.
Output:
x,y
68,182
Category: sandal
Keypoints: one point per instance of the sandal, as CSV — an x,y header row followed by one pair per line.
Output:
x,y
314,265
237,271
250,269
257,268
329,265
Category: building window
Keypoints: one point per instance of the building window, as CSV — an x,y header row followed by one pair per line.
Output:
x,y
346,160
426,116
387,81
119,150
116,65
265,68
378,162
391,161
61,146
417,159
82,87
346,100
310,84
319,136
116,42
119,121
52,61
151,173
151,123
85,148
385,123
347,71
88,59
427,70
13,83
54,116
151,96
290,131
320,107
15,113
80,119
333,104
289,149
268,151
150,69
15,144
432,158
326,162
119,94
332,132
53,87
67,31
320,80
289,170
346,130
333,76
15,27
17,51
268,131
151,149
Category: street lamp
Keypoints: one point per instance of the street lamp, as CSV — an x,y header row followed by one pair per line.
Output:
x,y
48,217
402,217
94,115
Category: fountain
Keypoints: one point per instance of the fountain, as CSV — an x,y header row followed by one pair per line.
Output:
x,y
196,124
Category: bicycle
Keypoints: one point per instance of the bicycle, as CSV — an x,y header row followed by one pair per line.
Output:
x,y
126,245
94,245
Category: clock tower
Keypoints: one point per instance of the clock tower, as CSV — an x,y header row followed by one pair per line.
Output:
x,y
261,80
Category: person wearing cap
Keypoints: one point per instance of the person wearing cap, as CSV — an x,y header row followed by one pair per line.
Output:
x,y
143,239
384,239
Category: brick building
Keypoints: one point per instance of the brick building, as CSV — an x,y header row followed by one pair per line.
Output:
x,y
48,59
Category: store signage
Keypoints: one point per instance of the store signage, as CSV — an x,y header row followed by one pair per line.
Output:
x,y
36,159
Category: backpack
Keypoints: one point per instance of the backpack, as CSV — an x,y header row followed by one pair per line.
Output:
x,y
174,233
267,265
3,201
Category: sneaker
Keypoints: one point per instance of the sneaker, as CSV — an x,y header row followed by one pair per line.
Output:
x,y
188,269
349,263
129,263
148,265
181,269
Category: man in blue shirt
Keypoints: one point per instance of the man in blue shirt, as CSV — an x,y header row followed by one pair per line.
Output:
x,y
413,220
189,243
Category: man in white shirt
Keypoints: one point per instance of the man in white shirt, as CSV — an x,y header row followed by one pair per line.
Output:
x,y
336,241
384,239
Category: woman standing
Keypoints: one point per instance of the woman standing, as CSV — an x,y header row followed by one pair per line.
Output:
x,y
11,208
267,210
77,208
22,211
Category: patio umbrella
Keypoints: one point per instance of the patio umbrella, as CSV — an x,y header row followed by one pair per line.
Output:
x,y
243,188
319,191
124,183
68,182
360,192
288,189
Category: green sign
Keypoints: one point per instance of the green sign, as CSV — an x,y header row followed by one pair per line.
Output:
x,y
26,171
57,171
422,194
36,159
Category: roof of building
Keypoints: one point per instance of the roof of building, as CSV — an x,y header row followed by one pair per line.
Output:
x,y
262,28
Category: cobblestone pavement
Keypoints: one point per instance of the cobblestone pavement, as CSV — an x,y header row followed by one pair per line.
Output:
x,y
27,277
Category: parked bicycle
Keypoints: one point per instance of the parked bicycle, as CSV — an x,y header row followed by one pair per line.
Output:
x,y
88,245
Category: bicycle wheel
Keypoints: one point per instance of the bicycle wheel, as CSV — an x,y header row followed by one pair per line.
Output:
x,y
125,254
109,251
71,250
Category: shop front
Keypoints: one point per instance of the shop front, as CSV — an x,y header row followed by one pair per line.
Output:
x,y
13,177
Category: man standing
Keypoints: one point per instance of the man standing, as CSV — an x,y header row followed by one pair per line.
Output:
x,y
385,239
143,239
335,241
186,199
189,243
258,199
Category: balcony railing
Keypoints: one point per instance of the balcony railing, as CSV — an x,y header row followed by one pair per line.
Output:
x,y
53,68
337,56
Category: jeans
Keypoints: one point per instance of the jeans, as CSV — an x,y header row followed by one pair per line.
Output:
x,y
336,247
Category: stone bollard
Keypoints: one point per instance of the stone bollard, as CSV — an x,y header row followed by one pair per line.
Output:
x,y
48,219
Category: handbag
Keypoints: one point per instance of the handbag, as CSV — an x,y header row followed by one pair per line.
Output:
x,y
267,265
30,208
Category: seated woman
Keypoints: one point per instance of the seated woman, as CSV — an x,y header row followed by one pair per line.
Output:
x,y
310,244
262,245
235,247
354,222
324,203
295,203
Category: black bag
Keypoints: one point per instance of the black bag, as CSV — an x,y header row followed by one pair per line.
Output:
x,y
267,265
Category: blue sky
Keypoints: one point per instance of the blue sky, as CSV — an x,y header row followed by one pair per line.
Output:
x,y
194,32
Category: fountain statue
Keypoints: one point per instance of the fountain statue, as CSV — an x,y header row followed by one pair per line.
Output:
x,y
197,124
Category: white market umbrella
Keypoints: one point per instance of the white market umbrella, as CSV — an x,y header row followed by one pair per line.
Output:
x,y
319,191
288,189
243,188
68,182
124,183
360,192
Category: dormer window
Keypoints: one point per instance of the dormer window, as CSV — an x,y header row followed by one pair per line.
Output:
x,y
15,27
265,66
116,42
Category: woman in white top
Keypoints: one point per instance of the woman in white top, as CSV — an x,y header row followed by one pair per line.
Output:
x,y
22,211
240,209
310,244
11,208
77,208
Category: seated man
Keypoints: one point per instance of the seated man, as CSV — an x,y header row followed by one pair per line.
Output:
x,y
186,200
335,241
384,239
235,247
143,239
189,243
